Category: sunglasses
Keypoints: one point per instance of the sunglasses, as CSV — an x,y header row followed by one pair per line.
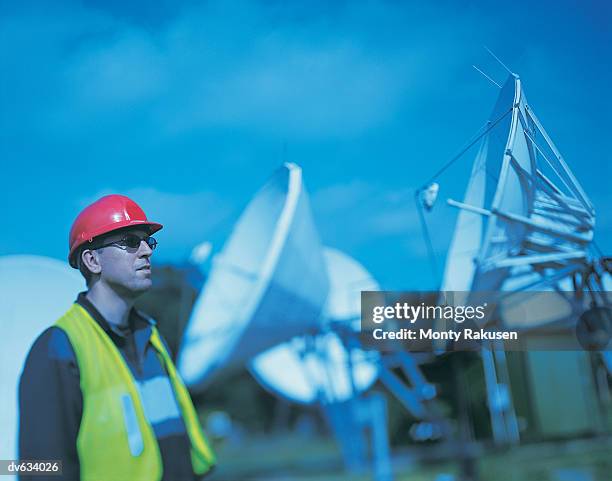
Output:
x,y
131,241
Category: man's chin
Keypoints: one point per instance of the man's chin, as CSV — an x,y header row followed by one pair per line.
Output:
x,y
137,289
143,286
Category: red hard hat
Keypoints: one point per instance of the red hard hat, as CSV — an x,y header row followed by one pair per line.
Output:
x,y
105,215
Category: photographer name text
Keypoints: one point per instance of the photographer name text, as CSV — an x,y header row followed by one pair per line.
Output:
x,y
450,335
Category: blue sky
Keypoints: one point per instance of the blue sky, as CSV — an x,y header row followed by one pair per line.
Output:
x,y
187,107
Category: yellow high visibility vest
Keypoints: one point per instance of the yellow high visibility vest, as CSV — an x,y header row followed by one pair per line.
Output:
x,y
116,442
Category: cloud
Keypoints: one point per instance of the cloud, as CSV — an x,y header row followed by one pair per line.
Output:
x,y
127,72
342,197
330,72
368,211
380,226
188,219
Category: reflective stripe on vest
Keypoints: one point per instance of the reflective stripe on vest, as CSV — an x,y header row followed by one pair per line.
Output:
x,y
115,440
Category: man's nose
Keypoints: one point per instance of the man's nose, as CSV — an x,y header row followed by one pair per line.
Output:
x,y
145,249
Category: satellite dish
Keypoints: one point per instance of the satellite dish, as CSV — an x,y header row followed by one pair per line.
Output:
x,y
525,222
267,285
320,368
276,298
53,285
274,290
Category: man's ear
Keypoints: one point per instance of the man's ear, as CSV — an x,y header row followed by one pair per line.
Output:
x,y
91,260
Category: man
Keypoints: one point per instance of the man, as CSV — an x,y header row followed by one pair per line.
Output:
x,y
99,391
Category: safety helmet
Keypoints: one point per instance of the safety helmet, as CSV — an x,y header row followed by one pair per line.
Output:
x,y
105,215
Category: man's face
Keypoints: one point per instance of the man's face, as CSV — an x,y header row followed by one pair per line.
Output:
x,y
126,269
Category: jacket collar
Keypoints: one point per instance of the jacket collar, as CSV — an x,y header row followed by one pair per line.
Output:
x,y
137,320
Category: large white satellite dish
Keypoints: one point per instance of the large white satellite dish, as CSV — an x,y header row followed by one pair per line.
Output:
x,y
525,221
320,368
34,292
524,226
268,284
